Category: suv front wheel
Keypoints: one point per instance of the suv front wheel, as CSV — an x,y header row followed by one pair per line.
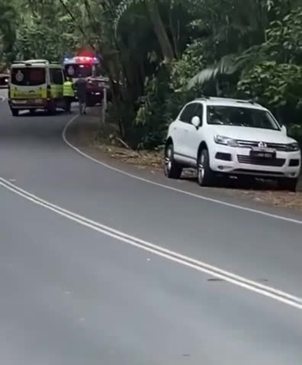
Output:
x,y
205,175
172,169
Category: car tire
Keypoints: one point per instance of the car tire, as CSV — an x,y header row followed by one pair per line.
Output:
x,y
32,111
205,176
288,184
172,169
15,112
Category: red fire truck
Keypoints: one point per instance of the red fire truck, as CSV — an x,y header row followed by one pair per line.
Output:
x,y
89,68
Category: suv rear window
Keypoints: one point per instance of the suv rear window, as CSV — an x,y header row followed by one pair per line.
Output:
x,y
32,76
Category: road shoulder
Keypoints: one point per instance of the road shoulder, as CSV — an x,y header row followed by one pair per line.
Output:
x,y
83,133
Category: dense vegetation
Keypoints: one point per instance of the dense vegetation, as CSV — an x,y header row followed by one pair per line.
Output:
x,y
160,53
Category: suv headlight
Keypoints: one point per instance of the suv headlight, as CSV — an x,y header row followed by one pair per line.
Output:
x,y
293,147
226,141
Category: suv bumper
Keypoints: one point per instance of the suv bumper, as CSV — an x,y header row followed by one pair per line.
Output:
x,y
238,161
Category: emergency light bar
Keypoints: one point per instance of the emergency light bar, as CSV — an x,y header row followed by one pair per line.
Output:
x,y
81,60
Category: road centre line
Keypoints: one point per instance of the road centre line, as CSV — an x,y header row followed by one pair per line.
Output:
x,y
250,285
168,187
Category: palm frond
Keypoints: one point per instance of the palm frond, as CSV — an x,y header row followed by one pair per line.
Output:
x,y
226,66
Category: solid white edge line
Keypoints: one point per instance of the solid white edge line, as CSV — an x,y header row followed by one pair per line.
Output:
x,y
146,243
272,293
202,197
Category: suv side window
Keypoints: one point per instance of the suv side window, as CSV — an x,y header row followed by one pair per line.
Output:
x,y
198,112
188,113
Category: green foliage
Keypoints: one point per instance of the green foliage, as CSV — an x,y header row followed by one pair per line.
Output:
x,y
46,32
277,79
8,25
295,131
36,41
274,84
284,38
153,50
159,108
191,61
151,116
252,50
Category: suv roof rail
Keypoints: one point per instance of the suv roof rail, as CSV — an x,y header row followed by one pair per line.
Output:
x,y
232,100
203,97
249,101
253,101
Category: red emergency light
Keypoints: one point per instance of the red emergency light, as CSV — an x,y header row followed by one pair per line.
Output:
x,y
85,60
81,59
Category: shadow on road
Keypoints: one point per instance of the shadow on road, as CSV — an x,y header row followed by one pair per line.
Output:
x,y
40,113
251,184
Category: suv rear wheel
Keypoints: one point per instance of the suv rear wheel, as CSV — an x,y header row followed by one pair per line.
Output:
x,y
172,169
205,175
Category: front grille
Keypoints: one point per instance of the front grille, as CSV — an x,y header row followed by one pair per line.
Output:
x,y
275,146
278,146
251,160
247,144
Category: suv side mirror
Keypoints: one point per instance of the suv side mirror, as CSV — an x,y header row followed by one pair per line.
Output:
x,y
196,122
284,130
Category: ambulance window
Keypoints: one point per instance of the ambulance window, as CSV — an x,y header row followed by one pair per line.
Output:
x,y
56,75
32,76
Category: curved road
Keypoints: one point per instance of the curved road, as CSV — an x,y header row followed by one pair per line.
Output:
x,y
97,267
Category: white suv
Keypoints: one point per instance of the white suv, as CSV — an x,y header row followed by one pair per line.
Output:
x,y
234,137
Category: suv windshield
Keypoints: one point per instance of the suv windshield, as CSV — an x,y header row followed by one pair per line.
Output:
x,y
32,76
240,117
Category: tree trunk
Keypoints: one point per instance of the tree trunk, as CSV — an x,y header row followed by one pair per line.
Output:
x,y
174,34
160,31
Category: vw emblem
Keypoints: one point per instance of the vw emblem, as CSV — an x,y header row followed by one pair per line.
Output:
x,y
262,145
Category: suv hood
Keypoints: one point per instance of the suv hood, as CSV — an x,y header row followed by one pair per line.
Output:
x,y
252,134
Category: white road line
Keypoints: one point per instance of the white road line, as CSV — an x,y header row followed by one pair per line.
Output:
x,y
187,261
202,197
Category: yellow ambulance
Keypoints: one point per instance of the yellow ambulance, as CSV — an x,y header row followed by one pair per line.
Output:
x,y
35,84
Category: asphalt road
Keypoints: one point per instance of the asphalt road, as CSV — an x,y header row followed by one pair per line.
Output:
x,y
74,291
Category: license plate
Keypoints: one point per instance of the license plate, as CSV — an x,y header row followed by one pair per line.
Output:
x,y
263,153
